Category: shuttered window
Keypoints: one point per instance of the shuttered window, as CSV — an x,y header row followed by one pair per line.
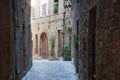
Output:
x,y
44,9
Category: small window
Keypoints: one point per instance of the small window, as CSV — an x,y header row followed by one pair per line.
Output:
x,y
55,6
44,9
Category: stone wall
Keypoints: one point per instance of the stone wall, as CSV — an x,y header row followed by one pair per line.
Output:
x,y
83,41
108,40
23,38
49,24
7,64
99,28
15,60
80,31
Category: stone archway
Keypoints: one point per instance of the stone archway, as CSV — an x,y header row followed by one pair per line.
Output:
x,y
44,45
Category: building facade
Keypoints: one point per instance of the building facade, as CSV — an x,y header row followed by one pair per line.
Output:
x,y
15,39
47,22
96,24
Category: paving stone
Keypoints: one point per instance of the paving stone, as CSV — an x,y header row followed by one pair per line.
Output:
x,y
51,70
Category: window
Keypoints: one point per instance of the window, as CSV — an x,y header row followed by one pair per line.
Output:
x,y
44,9
55,6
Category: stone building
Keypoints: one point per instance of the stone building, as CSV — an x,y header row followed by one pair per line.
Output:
x,y
96,25
15,39
47,22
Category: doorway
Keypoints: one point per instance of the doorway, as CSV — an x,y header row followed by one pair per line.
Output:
x,y
36,44
92,44
77,48
44,46
59,43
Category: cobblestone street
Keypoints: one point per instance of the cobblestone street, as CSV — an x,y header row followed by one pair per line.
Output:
x,y
51,70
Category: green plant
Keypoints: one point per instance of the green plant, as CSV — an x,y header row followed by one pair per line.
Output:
x,y
75,41
17,27
66,53
67,28
55,5
52,40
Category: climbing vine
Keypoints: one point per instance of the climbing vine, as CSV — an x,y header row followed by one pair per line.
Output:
x,y
75,40
67,28
52,40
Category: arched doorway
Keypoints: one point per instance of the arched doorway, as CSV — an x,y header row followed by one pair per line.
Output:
x,y
44,45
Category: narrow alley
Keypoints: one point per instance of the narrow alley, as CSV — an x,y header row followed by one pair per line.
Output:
x,y
36,34
51,70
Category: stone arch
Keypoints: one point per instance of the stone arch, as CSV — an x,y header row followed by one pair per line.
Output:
x,y
44,45
36,43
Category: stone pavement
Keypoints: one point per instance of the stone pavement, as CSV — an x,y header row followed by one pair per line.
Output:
x,y
51,70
